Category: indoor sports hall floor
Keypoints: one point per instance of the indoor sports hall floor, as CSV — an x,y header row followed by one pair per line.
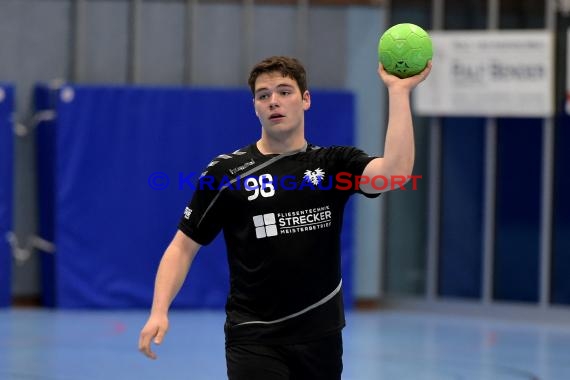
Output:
x,y
77,345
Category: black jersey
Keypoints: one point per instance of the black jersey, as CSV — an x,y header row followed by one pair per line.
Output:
x,y
281,216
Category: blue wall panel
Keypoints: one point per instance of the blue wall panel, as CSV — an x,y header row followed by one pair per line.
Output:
x,y
45,99
6,186
561,229
519,178
109,226
461,243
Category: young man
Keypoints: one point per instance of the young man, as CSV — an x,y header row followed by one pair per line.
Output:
x,y
280,208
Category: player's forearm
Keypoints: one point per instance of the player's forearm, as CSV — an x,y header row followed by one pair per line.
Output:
x,y
399,150
172,272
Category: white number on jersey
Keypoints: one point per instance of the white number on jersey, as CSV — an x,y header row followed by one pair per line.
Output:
x,y
263,185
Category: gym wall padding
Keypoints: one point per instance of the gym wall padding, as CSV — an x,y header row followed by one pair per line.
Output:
x,y
45,157
462,189
560,281
109,226
518,196
6,186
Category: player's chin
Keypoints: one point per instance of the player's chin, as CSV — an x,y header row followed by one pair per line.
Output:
x,y
279,127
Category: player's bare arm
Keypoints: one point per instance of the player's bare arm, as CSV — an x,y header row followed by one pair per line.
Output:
x,y
172,272
399,149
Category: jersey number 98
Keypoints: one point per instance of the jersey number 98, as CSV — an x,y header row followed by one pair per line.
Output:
x,y
260,186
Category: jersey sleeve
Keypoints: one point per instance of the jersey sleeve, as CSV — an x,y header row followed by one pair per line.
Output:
x,y
202,218
353,161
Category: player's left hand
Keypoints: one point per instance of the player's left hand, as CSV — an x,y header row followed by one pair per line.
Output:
x,y
153,332
409,83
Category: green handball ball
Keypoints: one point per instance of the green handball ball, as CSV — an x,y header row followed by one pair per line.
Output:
x,y
404,50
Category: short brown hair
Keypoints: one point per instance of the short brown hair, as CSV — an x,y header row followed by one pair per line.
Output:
x,y
287,66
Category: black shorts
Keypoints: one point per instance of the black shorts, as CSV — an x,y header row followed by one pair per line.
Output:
x,y
314,360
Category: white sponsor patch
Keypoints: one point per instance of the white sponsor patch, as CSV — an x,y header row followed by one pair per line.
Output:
x,y
290,222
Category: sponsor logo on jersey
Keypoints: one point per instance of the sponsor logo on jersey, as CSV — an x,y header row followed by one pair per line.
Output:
x,y
242,166
265,225
187,212
290,222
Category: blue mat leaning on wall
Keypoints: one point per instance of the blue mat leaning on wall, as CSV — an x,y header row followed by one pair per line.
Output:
x,y
116,170
6,189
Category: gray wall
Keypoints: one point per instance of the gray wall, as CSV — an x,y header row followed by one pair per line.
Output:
x,y
187,42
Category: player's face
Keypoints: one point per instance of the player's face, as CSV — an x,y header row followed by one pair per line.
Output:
x,y
279,103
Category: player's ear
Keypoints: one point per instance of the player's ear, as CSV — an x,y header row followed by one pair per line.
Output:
x,y
306,100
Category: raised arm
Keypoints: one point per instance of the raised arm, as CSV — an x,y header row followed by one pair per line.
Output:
x,y
399,150
172,272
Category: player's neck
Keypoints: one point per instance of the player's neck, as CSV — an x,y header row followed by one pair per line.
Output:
x,y
272,146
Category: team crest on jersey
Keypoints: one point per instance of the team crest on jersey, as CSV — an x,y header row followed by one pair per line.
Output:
x,y
315,176
187,212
